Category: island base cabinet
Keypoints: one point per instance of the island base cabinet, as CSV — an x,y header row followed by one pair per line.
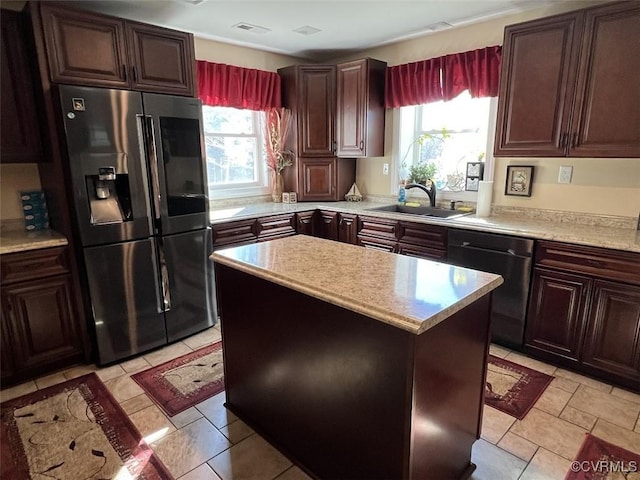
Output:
x,y
613,332
347,396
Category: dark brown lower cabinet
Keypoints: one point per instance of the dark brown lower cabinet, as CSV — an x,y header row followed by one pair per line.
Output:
x,y
327,225
584,311
378,244
348,228
305,223
422,252
613,331
341,227
557,313
39,325
243,232
406,238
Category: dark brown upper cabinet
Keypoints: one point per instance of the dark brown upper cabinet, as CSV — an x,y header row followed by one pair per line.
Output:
x,y
338,115
20,139
569,85
85,48
310,93
360,111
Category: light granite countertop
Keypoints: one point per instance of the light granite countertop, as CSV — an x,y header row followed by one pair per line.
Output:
x,y
14,238
406,292
592,230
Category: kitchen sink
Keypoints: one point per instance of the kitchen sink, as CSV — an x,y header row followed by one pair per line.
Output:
x,y
422,210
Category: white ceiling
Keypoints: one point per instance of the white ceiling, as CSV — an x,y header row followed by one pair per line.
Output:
x,y
345,25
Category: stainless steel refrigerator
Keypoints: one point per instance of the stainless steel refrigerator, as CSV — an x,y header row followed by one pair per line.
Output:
x,y
138,171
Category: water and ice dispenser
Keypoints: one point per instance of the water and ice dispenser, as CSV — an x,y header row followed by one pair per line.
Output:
x,y
109,196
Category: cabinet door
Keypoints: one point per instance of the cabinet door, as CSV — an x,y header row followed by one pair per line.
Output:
x,y
606,121
7,367
85,48
317,179
162,60
327,226
557,308
612,342
536,84
348,228
305,223
360,108
20,133
40,322
351,109
316,135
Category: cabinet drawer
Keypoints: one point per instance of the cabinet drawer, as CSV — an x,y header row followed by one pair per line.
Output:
x,y
378,244
378,228
598,262
240,231
422,252
424,235
280,225
32,264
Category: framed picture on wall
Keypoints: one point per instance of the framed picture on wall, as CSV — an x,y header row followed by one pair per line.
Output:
x,y
519,178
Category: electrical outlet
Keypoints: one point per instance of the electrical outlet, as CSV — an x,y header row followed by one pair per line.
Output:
x,y
564,175
385,169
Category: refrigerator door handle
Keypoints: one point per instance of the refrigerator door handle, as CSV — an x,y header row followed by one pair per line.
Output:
x,y
153,165
164,275
154,262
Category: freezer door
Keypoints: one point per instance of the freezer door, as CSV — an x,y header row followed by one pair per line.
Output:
x,y
190,301
106,162
176,163
125,297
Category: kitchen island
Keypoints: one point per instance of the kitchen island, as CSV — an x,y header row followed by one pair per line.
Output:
x,y
355,363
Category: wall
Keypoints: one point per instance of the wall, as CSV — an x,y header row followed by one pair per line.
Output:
x,y
219,52
13,179
603,186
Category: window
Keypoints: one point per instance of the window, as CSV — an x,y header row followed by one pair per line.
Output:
x,y
446,135
234,145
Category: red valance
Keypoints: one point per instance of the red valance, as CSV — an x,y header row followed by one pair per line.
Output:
x,y
413,83
444,78
224,85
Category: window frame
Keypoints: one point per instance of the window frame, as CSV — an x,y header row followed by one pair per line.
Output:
x,y
245,189
404,133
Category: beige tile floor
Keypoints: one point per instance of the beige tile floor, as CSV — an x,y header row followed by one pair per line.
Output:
x,y
206,442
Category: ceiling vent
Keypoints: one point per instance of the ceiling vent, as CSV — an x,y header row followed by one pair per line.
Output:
x,y
247,27
307,30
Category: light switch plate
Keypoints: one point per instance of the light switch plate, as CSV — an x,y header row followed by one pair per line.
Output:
x,y
385,169
564,175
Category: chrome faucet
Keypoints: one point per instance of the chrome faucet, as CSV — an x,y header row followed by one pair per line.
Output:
x,y
431,192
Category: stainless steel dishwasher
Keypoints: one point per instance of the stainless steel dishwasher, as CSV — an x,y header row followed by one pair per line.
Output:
x,y
505,255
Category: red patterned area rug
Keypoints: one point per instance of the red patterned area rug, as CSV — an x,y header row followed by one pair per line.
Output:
x,y
73,430
184,381
512,388
600,460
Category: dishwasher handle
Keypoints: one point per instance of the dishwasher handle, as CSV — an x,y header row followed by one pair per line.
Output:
x,y
508,251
